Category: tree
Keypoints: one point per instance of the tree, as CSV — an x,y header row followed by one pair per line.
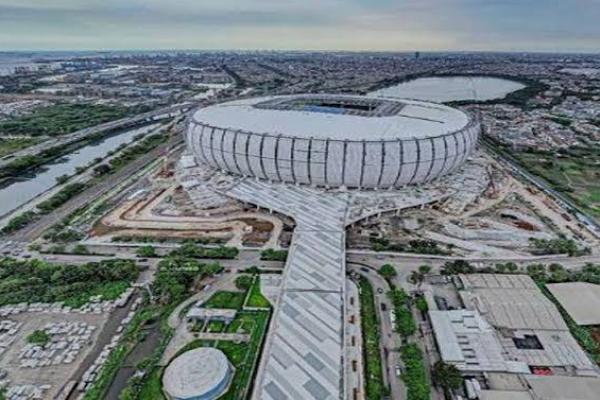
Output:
x,y
146,251
80,249
387,271
244,282
457,267
102,169
38,337
537,272
62,179
425,269
273,255
253,270
416,278
446,376
421,304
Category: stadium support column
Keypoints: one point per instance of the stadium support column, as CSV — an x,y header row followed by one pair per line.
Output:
x,y
292,151
443,170
247,154
260,157
277,158
400,163
204,158
222,150
212,148
234,152
362,164
309,160
417,163
382,166
344,163
430,169
326,162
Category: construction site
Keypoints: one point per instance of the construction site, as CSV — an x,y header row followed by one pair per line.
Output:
x,y
495,215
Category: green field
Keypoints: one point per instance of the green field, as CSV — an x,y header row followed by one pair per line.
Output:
x,y
574,172
224,299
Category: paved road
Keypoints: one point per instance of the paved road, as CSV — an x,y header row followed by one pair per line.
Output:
x,y
408,262
390,340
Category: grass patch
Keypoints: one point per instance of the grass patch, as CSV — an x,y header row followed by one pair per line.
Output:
x,y
215,326
152,388
255,297
225,299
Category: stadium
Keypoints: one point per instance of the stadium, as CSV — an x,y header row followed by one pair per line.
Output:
x,y
333,140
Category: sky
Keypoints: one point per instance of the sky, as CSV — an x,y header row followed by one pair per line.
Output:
x,y
378,25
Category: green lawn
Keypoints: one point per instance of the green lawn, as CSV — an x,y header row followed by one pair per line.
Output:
x,y
215,326
225,299
152,388
255,297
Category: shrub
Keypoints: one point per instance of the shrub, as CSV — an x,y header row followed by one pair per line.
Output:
x,y
244,282
38,337
273,255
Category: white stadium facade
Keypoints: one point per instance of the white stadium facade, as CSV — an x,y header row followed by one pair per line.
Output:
x,y
333,140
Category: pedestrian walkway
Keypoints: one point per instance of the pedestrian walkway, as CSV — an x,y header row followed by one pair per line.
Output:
x,y
303,355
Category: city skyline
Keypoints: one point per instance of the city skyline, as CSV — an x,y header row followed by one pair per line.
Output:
x,y
382,25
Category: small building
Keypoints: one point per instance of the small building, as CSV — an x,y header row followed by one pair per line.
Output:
x,y
200,374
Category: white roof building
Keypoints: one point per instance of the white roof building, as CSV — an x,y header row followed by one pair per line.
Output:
x,y
200,374
580,299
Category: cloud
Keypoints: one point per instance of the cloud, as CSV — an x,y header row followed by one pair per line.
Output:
x,y
305,24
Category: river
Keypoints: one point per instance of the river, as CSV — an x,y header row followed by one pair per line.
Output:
x,y
18,192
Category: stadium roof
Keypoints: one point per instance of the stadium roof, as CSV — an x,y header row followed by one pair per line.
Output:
x,y
338,117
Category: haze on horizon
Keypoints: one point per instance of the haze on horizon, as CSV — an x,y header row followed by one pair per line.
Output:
x,y
397,25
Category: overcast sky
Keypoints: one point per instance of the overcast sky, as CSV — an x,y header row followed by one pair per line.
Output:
x,y
534,25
